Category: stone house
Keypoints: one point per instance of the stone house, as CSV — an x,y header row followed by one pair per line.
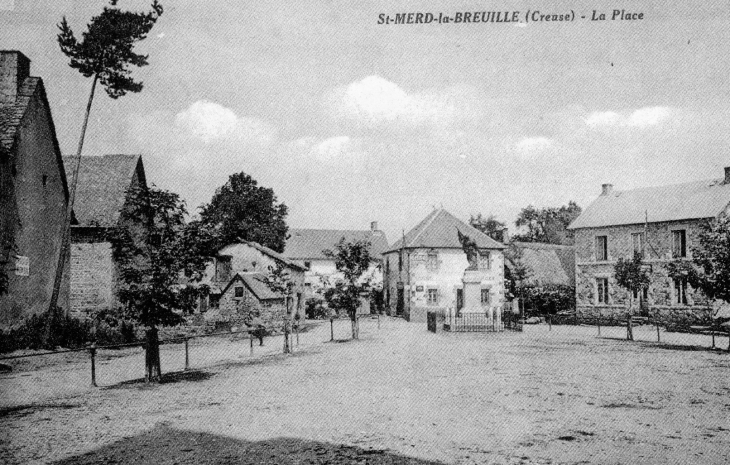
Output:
x,y
102,195
33,194
248,293
248,263
661,223
428,269
306,247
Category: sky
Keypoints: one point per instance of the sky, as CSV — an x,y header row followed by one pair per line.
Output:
x,y
351,121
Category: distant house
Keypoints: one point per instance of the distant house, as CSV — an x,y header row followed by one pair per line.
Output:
x,y
427,269
33,193
661,223
102,195
306,246
241,267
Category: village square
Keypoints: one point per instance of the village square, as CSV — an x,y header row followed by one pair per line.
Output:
x,y
365,279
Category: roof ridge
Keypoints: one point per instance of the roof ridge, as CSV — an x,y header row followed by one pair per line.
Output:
x,y
425,226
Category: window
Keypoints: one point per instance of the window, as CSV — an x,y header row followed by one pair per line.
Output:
x,y
602,291
400,261
44,179
485,260
214,300
637,240
238,291
433,297
680,291
432,261
679,243
485,296
601,248
308,265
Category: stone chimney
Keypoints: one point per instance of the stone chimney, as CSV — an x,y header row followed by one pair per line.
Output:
x,y
727,175
606,189
373,226
505,236
14,68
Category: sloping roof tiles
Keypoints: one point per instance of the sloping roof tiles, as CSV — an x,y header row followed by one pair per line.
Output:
x,y
306,244
439,230
548,263
256,283
276,255
102,187
693,200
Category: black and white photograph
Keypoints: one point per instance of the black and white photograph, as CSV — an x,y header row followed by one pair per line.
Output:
x,y
387,232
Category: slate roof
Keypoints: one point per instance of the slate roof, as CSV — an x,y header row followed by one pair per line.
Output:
x,y
308,244
548,263
439,230
256,283
102,187
275,255
693,200
11,117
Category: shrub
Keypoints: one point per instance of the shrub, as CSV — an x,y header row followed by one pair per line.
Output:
x,y
548,299
315,309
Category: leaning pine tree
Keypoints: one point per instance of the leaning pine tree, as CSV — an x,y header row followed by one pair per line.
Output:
x,y
105,53
632,276
159,259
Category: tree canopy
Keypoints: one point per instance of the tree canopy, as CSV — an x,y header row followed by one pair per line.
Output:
x,y
547,224
106,49
243,210
488,225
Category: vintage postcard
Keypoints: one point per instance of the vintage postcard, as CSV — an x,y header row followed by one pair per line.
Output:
x,y
423,232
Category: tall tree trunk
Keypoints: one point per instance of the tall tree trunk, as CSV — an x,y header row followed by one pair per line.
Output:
x,y
153,372
65,236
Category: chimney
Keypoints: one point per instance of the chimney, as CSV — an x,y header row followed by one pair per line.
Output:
x,y
14,68
606,189
373,226
505,236
727,175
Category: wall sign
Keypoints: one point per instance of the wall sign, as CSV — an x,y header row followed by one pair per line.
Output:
x,y
419,288
22,266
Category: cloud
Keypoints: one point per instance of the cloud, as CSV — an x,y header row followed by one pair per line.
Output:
x,y
530,145
640,118
374,101
211,122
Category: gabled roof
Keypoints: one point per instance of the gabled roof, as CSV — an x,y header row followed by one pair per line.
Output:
x,y
267,251
308,244
439,230
102,187
548,263
688,201
256,283
11,117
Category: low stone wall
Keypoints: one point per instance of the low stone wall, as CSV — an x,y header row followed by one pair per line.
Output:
x,y
673,318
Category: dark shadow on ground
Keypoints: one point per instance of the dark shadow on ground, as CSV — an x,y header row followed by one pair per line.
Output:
x,y
665,346
167,378
169,445
28,409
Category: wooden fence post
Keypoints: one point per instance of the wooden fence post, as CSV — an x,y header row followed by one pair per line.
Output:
x,y
187,357
250,340
656,322
332,329
92,351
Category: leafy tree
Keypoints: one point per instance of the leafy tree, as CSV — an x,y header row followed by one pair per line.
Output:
x,y
633,276
516,271
489,226
353,260
243,210
158,258
105,52
548,224
279,280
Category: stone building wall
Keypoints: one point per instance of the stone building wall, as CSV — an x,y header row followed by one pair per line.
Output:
x,y
93,275
236,309
658,254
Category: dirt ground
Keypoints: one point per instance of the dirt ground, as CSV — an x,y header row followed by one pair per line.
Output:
x,y
398,395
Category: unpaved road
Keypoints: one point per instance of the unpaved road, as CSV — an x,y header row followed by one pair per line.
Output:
x,y
398,395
